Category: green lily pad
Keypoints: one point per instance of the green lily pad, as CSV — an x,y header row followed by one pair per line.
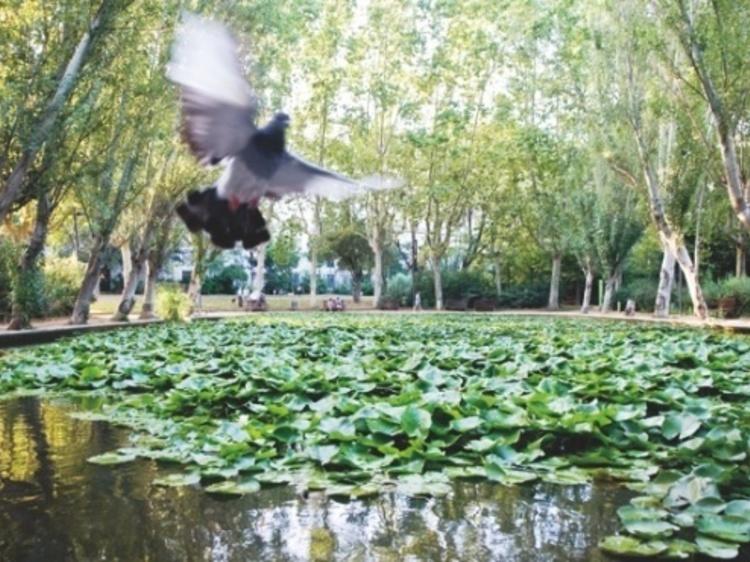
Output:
x,y
111,458
716,548
178,479
232,488
632,547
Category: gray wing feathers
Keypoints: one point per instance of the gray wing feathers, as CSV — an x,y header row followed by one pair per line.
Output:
x,y
218,105
294,175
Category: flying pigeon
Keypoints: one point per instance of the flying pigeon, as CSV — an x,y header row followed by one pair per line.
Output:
x,y
219,110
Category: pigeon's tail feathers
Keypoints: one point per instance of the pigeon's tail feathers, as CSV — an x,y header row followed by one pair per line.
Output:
x,y
204,59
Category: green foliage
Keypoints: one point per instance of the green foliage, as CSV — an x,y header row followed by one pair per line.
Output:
x,y
737,288
530,295
399,288
642,291
224,279
62,280
28,292
172,303
359,404
8,261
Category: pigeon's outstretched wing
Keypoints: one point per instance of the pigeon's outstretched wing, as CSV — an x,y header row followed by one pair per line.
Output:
x,y
294,175
218,105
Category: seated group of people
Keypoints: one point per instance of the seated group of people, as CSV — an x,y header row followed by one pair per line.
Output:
x,y
334,304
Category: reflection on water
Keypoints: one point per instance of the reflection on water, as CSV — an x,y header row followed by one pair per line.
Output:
x,y
55,506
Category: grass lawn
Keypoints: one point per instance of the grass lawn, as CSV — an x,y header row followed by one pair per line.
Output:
x,y
358,404
107,303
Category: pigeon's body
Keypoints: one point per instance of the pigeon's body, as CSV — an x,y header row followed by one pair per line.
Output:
x,y
218,113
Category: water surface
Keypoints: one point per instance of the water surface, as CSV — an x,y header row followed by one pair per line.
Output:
x,y
54,506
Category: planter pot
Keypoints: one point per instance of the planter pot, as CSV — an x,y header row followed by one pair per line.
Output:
x,y
729,307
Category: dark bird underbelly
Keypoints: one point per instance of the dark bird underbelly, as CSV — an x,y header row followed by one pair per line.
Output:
x,y
204,210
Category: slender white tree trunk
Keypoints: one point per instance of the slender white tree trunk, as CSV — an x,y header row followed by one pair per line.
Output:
x,y
588,289
377,274
259,281
194,290
498,278
664,290
437,277
127,298
127,261
313,278
740,267
609,291
149,292
554,286
691,278
81,308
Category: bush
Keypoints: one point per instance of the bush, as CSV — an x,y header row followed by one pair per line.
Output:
x,y
8,261
456,285
534,295
642,291
399,289
172,304
62,281
736,288
224,281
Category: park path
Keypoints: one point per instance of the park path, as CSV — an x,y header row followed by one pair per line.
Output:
x,y
54,328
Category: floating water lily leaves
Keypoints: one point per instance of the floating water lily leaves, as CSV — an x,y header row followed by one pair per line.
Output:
x,y
178,479
716,548
357,404
232,488
629,546
112,458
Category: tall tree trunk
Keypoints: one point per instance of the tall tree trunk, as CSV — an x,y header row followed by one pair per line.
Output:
x,y
194,290
259,280
154,260
81,308
700,309
357,286
725,129
740,260
313,278
414,263
42,129
29,267
611,285
135,273
498,278
553,303
588,289
377,274
149,291
664,290
127,261
437,278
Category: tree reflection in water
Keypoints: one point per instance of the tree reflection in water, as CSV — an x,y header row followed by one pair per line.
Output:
x,y
55,506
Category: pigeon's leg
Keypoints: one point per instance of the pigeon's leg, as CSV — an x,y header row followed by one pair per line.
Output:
x,y
253,203
234,203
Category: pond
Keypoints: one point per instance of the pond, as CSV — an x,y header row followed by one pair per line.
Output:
x,y
56,506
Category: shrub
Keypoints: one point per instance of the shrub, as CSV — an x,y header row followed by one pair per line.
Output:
x,y
642,291
172,304
8,261
225,280
399,288
532,295
739,289
62,281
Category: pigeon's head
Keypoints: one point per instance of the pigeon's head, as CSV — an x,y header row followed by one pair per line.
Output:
x,y
281,119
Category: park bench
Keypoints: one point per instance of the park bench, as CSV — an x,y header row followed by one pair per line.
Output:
x,y
484,305
389,304
457,304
